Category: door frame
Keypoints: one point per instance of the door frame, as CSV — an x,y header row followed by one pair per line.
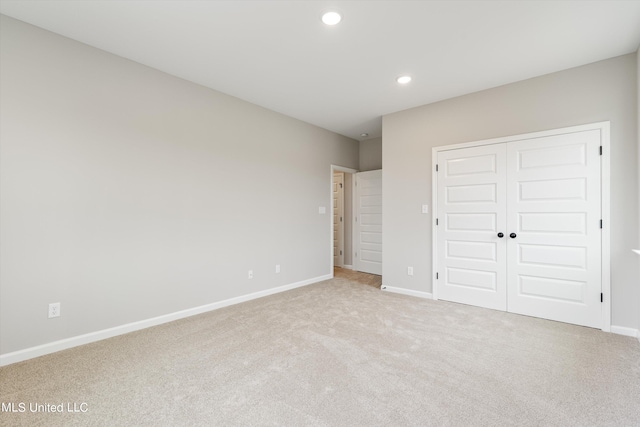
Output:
x,y
333,169
605,201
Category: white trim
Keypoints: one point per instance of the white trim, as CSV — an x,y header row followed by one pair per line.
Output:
x,y
347,267
403,291
434,217
605,195
628,332
52,347
605,206
332,169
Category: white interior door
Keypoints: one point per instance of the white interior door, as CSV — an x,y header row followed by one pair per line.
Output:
x,y
519,226
554,267
471,213
338,219
368,222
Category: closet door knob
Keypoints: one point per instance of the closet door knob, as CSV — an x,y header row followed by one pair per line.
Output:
x,y
501,235
512,235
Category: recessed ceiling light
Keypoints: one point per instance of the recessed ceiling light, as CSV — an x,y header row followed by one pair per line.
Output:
x,y
364,135
331,18
403,80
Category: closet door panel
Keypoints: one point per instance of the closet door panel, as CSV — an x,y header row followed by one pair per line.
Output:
x,y
471,213
553,211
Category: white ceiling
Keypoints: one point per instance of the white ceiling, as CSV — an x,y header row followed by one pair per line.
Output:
x,y
278,54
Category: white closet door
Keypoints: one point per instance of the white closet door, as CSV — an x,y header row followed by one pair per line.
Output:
x,y
553,193
471,213
369,222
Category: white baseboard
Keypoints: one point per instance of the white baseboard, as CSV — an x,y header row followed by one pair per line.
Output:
x,y
348,267
52,347
629,332
403,291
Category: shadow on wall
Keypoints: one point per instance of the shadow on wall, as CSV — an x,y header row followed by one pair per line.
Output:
x,y
370,154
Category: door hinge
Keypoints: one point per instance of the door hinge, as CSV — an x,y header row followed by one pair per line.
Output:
x,y
340,252
436,276
601,150
600,223
356,254
436,167
436,221
340,219
601,297
340,185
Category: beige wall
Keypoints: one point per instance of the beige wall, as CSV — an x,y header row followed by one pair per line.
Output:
x,y
370,154
597,92
127,193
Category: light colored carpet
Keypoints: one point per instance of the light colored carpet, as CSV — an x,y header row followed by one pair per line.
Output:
x,y
339,353
357,277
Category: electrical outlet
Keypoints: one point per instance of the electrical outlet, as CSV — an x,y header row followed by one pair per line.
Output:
x,y
250,275
277,268
409,271
54,309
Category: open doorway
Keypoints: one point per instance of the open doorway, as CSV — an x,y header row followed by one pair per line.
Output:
x,y
339,225
342,193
